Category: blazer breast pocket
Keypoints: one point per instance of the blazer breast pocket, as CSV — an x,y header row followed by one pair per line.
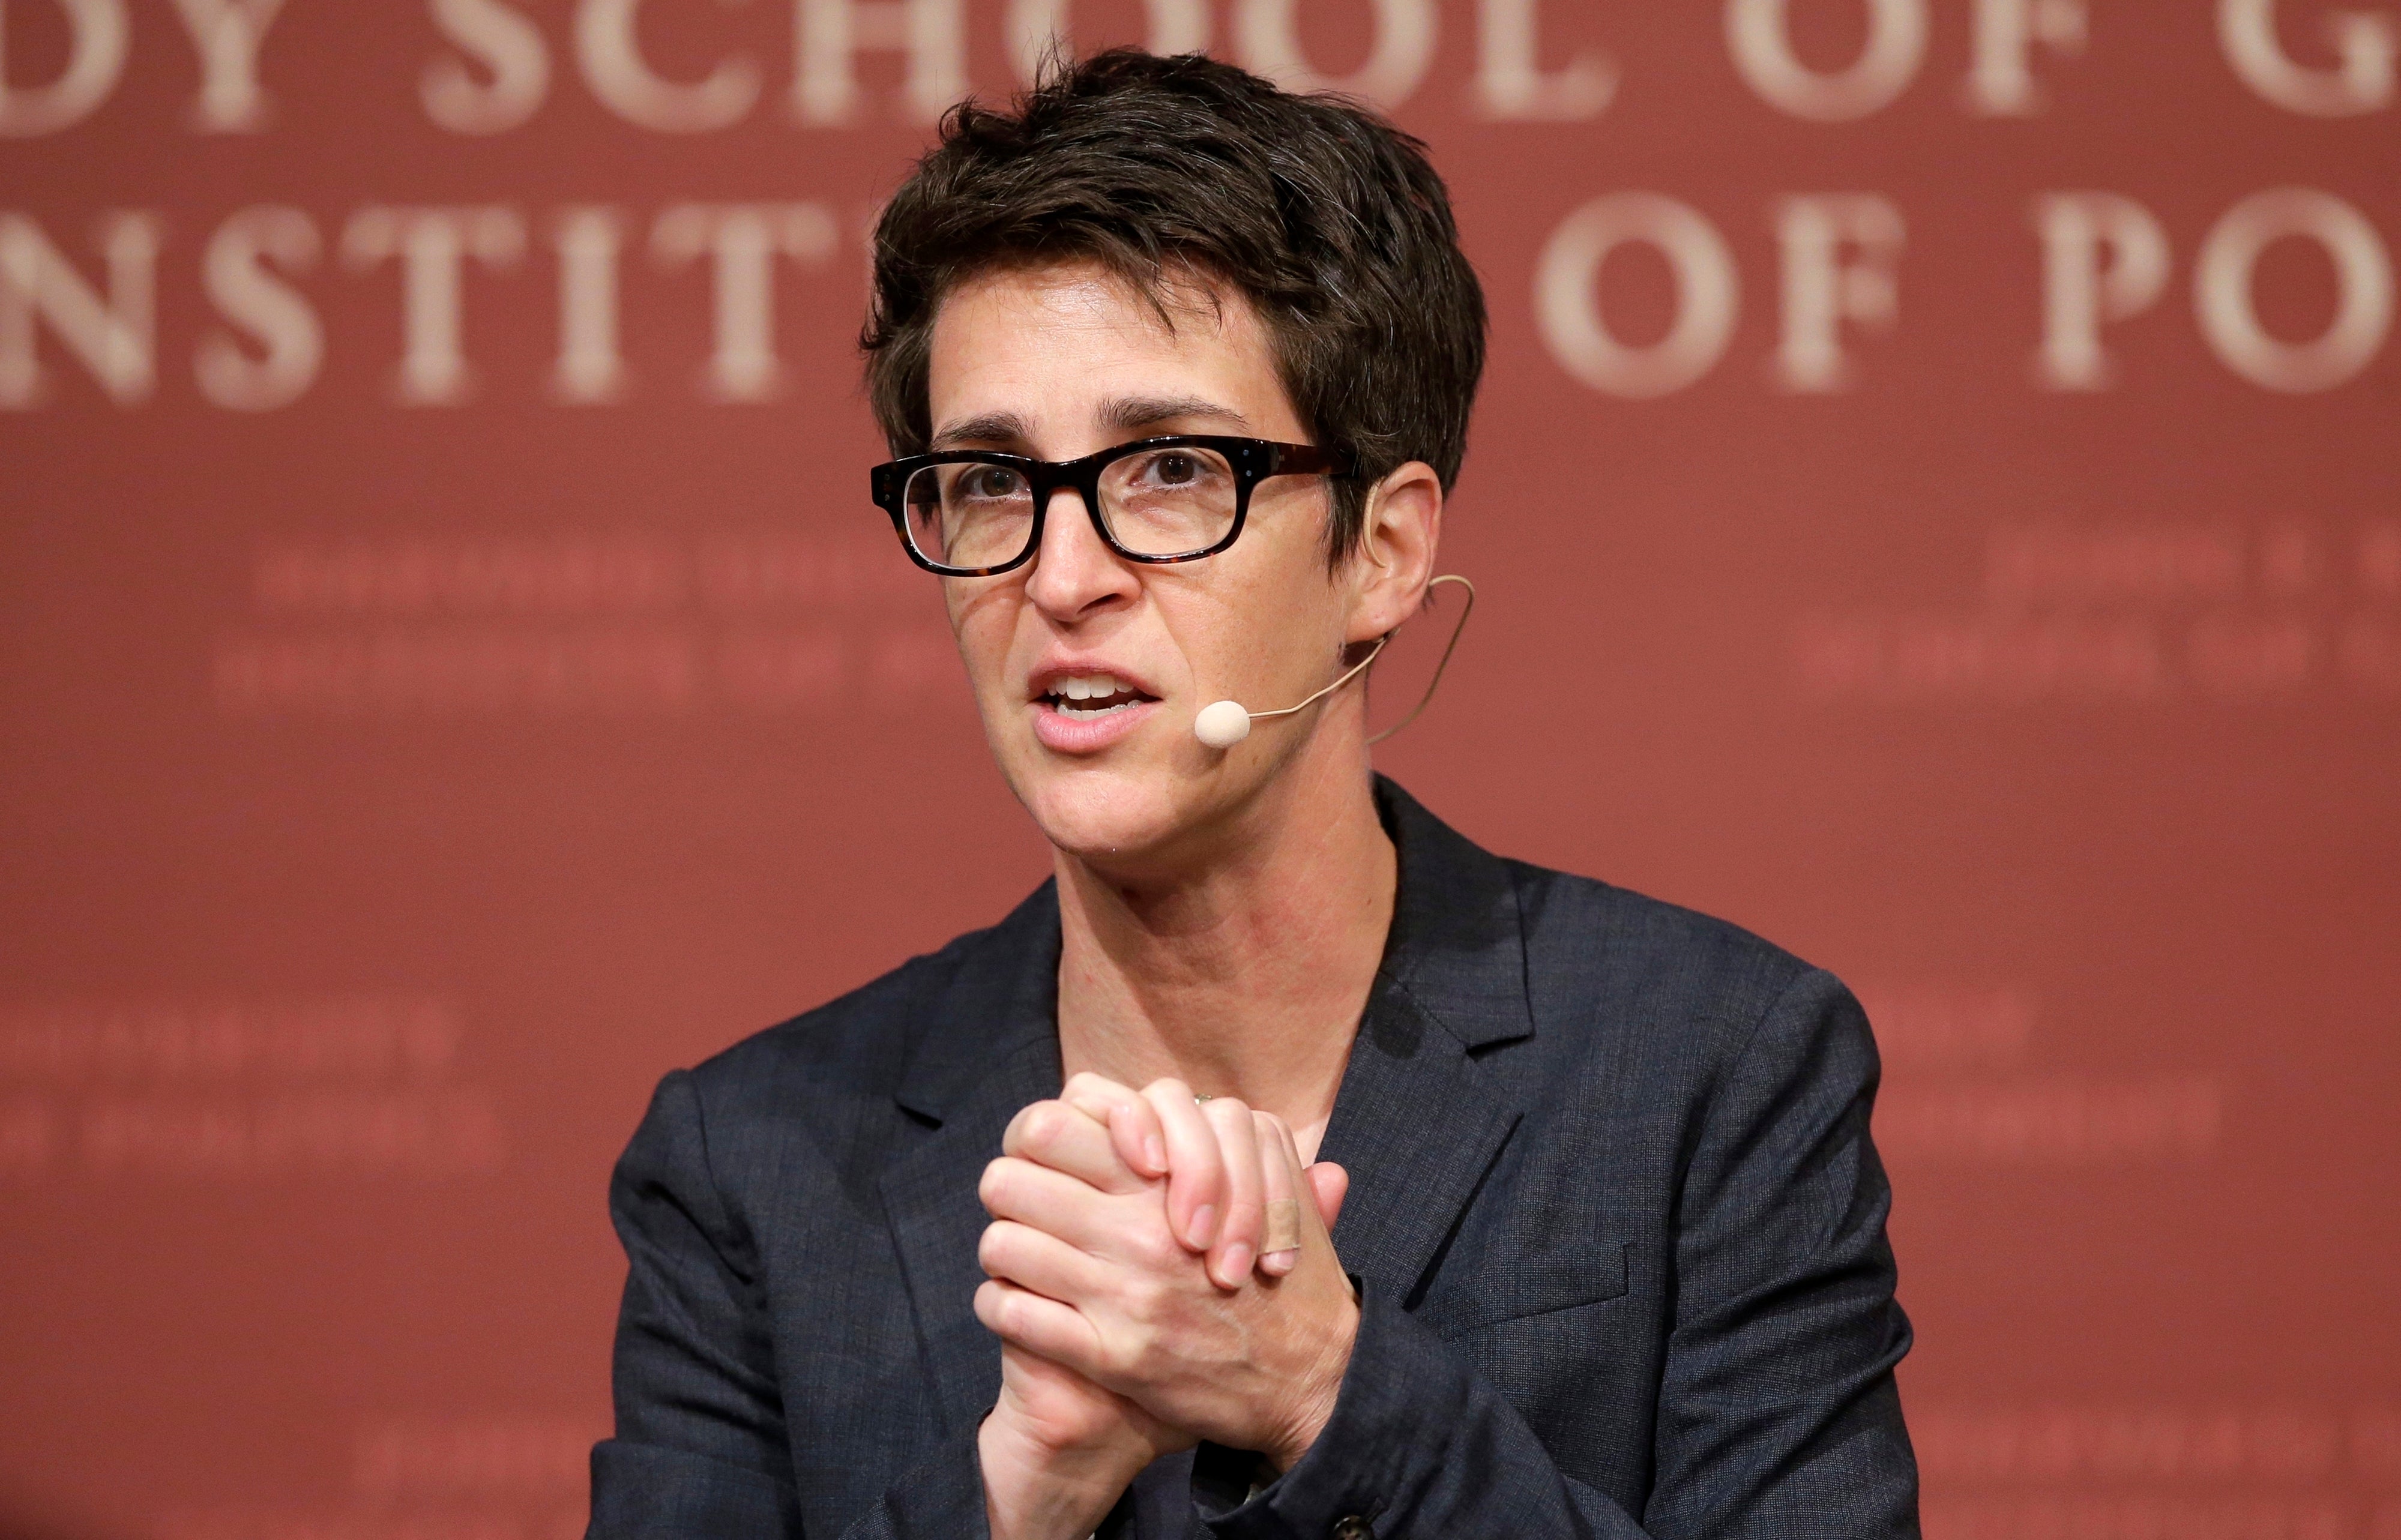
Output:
x,y
1516,1287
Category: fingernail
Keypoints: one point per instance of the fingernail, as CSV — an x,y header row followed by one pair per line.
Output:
x,y
1278,1264
1204,1225
1155,1152
1237,1264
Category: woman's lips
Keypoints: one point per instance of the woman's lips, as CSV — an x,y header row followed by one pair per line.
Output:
x,y
1087,732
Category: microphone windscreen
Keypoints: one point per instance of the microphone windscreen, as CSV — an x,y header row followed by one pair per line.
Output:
x,y
1222,725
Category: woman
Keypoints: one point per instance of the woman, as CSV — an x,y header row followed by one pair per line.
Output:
x,y
1179,368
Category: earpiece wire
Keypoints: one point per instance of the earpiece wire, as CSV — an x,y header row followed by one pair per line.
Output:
x,y
1349,674
1382,642
1427,699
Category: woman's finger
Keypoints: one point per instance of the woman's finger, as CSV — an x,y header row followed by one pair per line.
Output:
x,y
1131,1121
1040,1326
1330,1184
1237,1247
1141,1141
1196,1177
1280,1181
1094,1223
1044,1264
1066,1138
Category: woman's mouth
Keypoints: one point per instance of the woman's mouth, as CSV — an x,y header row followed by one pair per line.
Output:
x,y
1083,697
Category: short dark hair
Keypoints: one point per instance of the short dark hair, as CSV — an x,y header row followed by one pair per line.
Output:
x,y
1327,218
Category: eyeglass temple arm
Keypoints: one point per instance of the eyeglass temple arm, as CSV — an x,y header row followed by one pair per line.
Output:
x,y
1310,459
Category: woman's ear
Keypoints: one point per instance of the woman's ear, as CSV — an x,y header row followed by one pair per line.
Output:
x,y
1400,530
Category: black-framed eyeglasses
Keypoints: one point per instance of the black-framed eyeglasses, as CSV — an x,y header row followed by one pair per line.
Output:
x,y
971,513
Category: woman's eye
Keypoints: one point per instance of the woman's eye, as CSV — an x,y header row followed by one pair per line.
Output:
x,y
991,481
1175,470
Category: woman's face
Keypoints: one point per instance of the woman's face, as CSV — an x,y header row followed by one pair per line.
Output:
x,y
1057,363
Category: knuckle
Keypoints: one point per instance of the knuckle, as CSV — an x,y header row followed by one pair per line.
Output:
x,y
999,1182
1154,1248
1045,1123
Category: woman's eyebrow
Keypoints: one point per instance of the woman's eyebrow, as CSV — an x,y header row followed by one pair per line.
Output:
x,y
1129,414
990,428
1125,414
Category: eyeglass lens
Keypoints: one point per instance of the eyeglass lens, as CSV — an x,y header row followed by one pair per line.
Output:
x,y
1158,502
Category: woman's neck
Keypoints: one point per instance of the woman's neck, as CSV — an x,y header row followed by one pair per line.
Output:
x,y
1248,979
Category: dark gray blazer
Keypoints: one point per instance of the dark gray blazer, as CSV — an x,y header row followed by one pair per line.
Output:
x,y
1617,1225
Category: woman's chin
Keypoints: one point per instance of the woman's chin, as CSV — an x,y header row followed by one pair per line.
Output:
x,y
1104,817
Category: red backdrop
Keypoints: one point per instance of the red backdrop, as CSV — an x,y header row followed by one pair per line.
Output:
x,y
1935,503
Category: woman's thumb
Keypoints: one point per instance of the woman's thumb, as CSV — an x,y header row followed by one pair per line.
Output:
x,y
1328,1182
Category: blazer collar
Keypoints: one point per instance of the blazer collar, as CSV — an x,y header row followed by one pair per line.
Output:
x,y
1417,1119
1457,943
1000,993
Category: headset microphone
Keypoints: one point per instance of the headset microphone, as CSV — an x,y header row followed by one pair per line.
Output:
x,y
1222,724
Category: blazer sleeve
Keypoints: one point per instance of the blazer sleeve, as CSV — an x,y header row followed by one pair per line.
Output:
x,y
701,1451
1777,1414
700,1446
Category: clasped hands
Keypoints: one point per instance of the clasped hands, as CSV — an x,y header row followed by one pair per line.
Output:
x,y
1136,1312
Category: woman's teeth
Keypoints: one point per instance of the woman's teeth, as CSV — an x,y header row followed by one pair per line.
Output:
x,y
1092,694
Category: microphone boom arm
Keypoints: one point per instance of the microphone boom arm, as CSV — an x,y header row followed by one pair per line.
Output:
x,y
1353,671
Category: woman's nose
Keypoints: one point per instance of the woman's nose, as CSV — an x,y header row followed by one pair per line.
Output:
x,y
1075,572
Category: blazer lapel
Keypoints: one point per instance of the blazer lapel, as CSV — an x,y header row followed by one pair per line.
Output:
x,y
990,1047
1418,1121
1416,1128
